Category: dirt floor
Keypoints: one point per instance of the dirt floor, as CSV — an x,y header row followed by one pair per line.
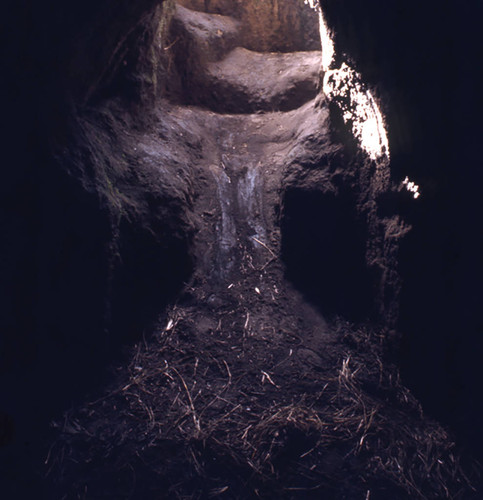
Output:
x,y
245,390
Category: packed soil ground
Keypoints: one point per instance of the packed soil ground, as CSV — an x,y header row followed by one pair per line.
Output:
x,y
245,390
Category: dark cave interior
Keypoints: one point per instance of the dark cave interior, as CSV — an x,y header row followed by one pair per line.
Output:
x,y
71,276
327,261
421,59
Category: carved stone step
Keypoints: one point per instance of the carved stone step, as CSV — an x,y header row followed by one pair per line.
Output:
x,y
247,82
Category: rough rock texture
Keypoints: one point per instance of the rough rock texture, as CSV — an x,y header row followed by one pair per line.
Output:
x,y
272,25
423,62
236,80
119,195
96,233
246,390
284,81
200,38
215,35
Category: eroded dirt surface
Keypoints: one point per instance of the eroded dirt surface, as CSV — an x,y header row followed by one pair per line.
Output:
x,y
283,81
245,390
239,283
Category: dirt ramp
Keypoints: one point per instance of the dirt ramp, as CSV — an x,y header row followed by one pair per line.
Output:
x,y
247,81
217,68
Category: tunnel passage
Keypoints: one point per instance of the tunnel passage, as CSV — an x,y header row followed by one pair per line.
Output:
x,y
323,247
244,57
150,275
266,335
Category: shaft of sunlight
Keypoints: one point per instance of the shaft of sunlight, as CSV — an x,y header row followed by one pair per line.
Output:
x,y
359,108
328,49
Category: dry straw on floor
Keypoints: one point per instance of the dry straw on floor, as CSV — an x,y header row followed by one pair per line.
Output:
x,y
205,424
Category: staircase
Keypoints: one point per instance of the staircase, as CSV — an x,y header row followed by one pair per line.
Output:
x,y
252,106
233,79
257,112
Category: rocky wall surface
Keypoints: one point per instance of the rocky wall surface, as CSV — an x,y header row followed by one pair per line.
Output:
x,y
86,207
269,26
96,233
341,240
98,223
423,63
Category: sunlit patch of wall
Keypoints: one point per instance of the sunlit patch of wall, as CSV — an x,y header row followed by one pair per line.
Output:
x,y
360,111
411,187
359,108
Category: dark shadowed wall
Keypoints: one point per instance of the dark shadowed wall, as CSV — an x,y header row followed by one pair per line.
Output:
x,y
423,57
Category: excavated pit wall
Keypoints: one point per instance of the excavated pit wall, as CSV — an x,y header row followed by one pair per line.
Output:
x,y
97,237
102,216
272,25
433,115
358,184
